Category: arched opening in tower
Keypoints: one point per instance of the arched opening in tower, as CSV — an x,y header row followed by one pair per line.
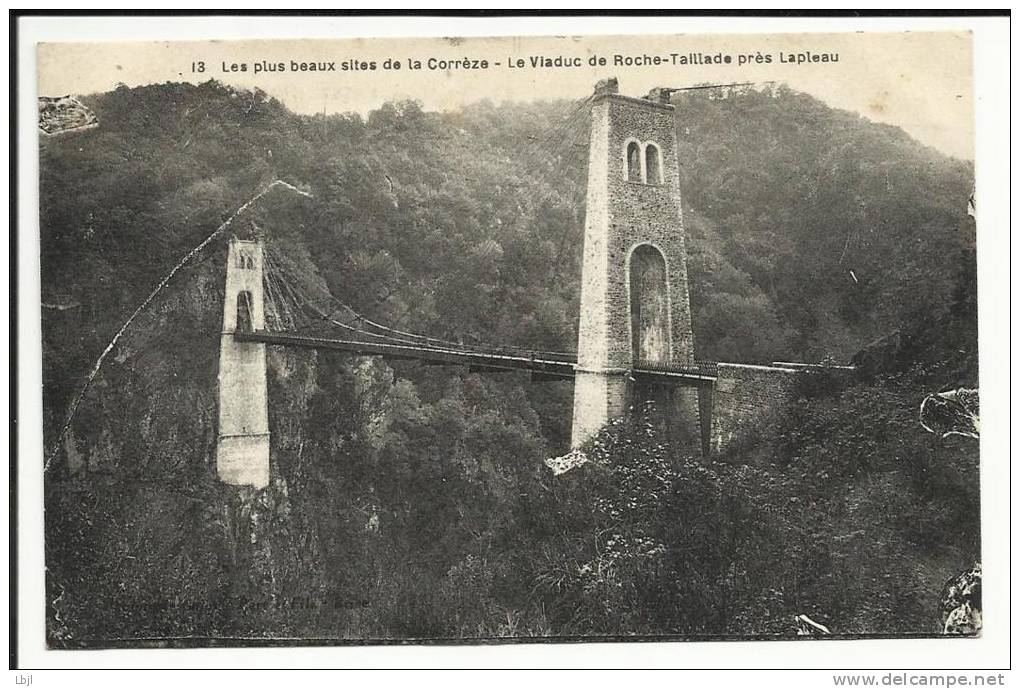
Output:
x,y
649,306
633,162
244,317
652,174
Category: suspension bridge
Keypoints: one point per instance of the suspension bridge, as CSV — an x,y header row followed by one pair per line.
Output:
x,y
634,332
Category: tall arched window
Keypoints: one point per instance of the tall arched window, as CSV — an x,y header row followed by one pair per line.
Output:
x,y
649,306
244,318
653,168
633,162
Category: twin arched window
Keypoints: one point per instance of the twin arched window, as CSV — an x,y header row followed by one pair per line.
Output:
x,y
634,162
653,164
647,168
244,262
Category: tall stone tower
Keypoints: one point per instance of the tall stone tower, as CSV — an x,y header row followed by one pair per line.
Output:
x,y
635,306
242,448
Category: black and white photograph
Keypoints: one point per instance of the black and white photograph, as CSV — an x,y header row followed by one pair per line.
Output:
x,y
509,340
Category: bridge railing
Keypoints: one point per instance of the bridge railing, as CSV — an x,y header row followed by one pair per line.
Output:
x,y
357,334
698,368
354,333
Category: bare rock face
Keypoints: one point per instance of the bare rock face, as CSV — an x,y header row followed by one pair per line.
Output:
x,y
808,627
960,603
564,463
954,412
64,114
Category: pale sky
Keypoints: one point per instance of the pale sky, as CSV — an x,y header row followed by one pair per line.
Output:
x,y
920,81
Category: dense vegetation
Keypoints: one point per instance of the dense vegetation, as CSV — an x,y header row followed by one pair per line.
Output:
x,y
412,501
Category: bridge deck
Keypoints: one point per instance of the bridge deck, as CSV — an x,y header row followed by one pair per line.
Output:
x,y
539,364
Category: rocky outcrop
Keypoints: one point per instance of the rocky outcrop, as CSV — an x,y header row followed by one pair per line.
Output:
x,y
954,412
64,114
564,463
960,603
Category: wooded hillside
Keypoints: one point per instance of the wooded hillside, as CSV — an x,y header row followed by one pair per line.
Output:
x,y
413,501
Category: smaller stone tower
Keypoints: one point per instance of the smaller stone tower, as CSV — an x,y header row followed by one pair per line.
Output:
x,y
635,307
242,448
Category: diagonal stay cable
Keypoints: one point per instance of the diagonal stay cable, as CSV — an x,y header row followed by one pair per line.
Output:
x,y
301,296
401,335
424,339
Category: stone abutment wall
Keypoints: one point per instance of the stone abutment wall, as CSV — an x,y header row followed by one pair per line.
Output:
x,y
745,393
